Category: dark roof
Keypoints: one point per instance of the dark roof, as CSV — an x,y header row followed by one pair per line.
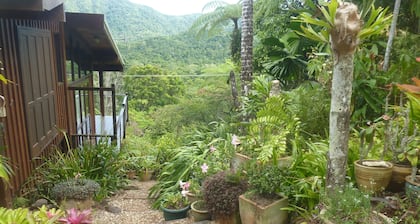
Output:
x,y
92,30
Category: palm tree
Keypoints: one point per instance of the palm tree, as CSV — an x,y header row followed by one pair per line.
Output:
x,y
246,46
219,14
391,34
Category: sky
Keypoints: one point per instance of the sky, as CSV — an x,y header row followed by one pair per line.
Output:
x,y
177,7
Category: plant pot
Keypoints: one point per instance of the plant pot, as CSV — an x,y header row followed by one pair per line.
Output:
x,y
192,197
146,175
232,219
199,212
412,189
238,161
399,172
131,174
253,213
372,179
285,162
172,214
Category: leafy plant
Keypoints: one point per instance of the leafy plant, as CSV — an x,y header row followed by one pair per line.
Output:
x,y
5,169
221,192
349,205
174,201
265,179
101,163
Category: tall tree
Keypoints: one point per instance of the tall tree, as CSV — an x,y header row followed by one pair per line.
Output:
x,y
344,40
391,34
246,46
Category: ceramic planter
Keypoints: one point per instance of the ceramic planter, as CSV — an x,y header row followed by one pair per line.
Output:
x,y
252,213
238,161
199,212
372,179
399,172
146,175
172,214
412,189
192,197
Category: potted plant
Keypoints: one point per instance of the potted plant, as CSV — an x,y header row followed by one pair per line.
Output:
x,y
199,211
132,165
192,190
413,181
147,167
174,206
221,194
263,202
371,175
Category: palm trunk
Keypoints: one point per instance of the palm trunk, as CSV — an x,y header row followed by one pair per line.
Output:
x,y
391,34
343,43
246,46
232,81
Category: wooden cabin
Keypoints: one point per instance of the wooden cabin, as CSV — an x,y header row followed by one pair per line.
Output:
x,y
55,63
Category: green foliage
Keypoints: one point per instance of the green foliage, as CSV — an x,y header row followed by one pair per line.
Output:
x,y
310,104
184,163
149,86
18,216
266,180
101,163
5,169
174,201
221,195
349,205
80,189
24,216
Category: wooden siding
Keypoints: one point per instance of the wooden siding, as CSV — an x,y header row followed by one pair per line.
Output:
x,y
15,134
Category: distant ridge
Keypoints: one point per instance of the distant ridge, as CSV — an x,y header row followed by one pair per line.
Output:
x,y
131,21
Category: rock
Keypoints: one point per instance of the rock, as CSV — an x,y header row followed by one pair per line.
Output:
x,y
39,203
112,209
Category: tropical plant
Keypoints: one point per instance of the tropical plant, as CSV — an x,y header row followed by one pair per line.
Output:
x,y
24,216
215,21
221,192
5,169
247,38
101,163
74,216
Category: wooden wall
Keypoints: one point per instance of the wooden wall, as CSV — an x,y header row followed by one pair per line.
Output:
x,y
15,134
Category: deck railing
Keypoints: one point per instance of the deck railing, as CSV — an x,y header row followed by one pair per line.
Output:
x,y
91,127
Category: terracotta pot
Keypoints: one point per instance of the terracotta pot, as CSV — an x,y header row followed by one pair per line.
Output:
x,y
198,212
412,189
192,197
252,213
399,172
372,179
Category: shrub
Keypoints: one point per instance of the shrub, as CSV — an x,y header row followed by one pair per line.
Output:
x,y
265,180
221,192
75,189
174,201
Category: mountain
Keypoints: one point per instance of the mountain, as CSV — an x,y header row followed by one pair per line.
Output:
x,y
132,21
145,36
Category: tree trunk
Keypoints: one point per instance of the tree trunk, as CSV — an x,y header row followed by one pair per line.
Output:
x,y
391,34
343,43
246,46
232,81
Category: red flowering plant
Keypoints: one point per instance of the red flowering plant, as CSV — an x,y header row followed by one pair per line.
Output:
x,y
77,217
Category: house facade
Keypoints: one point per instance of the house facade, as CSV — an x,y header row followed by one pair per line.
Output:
x,y
50,59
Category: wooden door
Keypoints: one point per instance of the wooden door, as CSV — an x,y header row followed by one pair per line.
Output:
x,y
38,73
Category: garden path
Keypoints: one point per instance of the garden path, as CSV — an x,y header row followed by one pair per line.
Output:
x,y
131,206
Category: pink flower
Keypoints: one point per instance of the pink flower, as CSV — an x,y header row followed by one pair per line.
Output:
x,y
235,140
184,185
50,215
77,217
212,149
204,168
386,117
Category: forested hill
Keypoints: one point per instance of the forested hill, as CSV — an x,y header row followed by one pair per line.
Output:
x,y
145,36
132,21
